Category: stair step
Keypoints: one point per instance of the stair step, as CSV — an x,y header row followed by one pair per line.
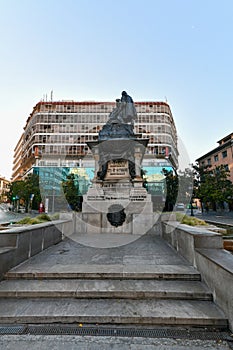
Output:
x,y
98,271
143,283
132,289
113,311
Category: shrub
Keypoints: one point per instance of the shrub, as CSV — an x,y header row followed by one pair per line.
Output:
x,y
54,217
189,220
25,221
36,220
43,217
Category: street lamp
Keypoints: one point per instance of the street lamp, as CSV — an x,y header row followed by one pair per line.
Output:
x,y
191,201
53,198
191,206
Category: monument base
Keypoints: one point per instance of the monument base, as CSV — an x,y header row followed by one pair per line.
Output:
x,y
97,223
117,202
117,206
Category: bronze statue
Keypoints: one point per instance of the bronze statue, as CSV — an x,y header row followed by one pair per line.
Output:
x,y
128,108
125,111
118,127
116,115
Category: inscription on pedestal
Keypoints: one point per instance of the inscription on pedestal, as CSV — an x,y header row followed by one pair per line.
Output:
x,y
117,169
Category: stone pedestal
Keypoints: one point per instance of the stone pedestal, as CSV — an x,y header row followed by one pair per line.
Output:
x,y
118,203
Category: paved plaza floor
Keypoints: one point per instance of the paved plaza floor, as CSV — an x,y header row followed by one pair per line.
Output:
x,y
64,342
147,252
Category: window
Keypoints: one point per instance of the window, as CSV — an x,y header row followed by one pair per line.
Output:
x,y
209,161
224,154
216,158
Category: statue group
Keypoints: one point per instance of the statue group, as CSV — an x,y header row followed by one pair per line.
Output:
x,y
121,120
125,111
120,125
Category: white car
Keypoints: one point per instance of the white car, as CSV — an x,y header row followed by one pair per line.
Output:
x,y
180,207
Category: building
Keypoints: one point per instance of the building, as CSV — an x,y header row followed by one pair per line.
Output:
x,y
56,133
221,155
4,188
18,166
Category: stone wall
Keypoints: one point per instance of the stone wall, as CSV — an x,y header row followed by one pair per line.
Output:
x,y
20,243
204,250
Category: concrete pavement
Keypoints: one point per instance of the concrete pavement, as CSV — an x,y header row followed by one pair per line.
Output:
x,y
67,342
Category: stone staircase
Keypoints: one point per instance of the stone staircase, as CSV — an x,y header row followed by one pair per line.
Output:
x,y
133,285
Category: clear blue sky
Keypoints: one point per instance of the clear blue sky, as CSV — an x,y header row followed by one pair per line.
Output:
x,y
93,49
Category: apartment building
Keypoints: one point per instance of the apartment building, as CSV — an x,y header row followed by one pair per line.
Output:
x,y
55,135
4,188
17,171
221,155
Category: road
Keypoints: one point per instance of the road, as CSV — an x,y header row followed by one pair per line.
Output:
x,y
6,217
225,218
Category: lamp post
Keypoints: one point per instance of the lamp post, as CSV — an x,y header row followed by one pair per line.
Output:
x,y
191,206
53,199
191,201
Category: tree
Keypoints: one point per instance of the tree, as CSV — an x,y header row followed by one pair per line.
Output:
x,y
224,187
16,193
32,187
71,192
212,186
21,191
179,187
185,190
172,184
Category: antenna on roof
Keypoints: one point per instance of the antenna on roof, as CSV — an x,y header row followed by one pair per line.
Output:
x,y
166,99
51,96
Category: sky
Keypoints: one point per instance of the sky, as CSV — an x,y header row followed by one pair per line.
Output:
x,y
179,51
